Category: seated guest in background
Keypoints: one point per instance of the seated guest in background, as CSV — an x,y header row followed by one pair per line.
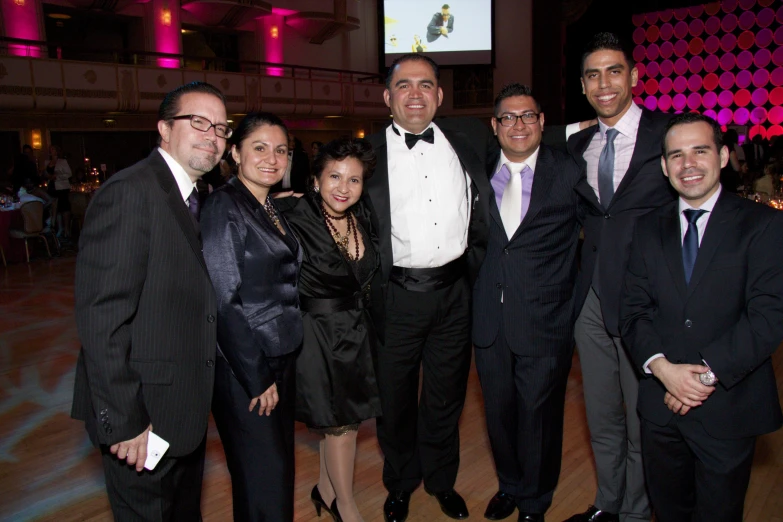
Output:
x,y
702,313
253,259
31,192
59,173
766,184
315,147
336,385
297,173
523,306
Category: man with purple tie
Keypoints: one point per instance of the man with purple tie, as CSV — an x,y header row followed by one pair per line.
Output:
x,y
523,306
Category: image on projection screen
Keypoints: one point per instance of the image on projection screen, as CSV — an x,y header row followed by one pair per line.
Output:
x,y
460,29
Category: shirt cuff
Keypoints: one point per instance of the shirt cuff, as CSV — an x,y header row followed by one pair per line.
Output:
x,y
646,366
571,128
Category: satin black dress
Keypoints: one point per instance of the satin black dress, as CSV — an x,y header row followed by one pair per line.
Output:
x,y
335,375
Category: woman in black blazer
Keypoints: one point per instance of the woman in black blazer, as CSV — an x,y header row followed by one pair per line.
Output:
x,y
336,385
254,259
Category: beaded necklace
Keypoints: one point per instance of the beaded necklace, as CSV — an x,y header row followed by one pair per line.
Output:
x,y
271,211
342,241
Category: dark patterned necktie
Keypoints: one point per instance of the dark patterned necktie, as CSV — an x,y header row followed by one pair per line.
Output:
x,y
690,244
194,205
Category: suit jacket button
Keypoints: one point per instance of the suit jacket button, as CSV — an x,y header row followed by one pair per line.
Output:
x,y
106,425
499,286
104,411
108,430
607,216
594,248
505,251
211,318
210,363
688,323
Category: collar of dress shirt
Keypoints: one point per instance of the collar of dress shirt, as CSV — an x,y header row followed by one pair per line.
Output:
x,y
184,183
401,136
530,162
628,124
707,205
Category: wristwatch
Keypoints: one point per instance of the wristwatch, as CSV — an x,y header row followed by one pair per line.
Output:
x,y
708,378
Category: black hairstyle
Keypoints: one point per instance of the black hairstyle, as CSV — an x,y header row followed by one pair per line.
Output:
x,y
445,6
514,89
25,147
730,137
342,148
693,117
169,107
410,57
606,42
251,122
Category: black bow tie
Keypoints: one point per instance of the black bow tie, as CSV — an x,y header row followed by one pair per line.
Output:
x,y
411,139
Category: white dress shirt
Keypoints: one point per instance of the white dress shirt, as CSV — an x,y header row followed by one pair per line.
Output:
x,y
701,226
184,182
429,195
624,143
516,168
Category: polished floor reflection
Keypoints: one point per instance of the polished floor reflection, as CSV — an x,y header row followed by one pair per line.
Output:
x,y
48,470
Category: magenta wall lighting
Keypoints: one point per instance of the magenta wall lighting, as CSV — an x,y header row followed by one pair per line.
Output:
x,y
168,37
22,21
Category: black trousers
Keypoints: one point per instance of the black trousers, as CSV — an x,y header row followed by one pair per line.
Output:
x,y
259,449
419,436
524,400
692,476
170,492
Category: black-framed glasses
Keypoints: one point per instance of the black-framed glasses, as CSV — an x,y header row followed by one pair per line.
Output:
x,y
509,120
203,124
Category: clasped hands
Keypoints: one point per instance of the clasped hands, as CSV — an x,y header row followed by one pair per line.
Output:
x,y
683,388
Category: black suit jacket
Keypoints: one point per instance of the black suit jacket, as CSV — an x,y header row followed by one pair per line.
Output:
x,y
145,311
608,231
730,315
433,29
536,269
255,272
473,142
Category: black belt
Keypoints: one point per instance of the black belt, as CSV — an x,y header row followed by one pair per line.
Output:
x,y
429,279
357,301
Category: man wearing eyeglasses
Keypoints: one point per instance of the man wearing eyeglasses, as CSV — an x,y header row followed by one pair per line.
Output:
x,y
145,312
523,306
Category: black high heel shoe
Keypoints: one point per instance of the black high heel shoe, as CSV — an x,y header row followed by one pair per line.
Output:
x,y
318,501
335,512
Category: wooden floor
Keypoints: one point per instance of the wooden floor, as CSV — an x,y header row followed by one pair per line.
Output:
x,y
48,471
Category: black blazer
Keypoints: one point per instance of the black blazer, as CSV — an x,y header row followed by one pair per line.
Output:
x,y
145,311
473,142
254,270
433,28
536,269
608,231
730,315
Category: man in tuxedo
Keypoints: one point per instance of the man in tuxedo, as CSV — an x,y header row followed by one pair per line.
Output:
x,y
702,313
429,199
523,329
145,312
441,24
621,158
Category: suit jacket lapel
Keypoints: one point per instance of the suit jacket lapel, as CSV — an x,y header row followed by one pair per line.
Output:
x,y
377,189
177,204
460,142
577,146
643,149
542,181
719,222
672,248
492,167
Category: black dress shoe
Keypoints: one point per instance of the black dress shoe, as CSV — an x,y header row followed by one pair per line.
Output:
x,y
530,517
395,509
451,504
500,507
593,514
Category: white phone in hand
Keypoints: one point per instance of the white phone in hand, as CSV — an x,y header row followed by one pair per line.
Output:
x,y
156,447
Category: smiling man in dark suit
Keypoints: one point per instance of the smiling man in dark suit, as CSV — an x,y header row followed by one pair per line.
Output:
x,y
523,311
621,158
429,196
702,314
145,312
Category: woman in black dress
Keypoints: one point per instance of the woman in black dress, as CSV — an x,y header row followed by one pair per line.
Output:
x,y
253,260
336,386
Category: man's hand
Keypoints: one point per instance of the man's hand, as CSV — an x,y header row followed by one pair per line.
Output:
x,y
266,401
682,381
674,404
444,30
587,123
133,451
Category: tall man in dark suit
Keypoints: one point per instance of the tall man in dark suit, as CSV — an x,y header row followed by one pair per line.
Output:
x,y
621,157
429,196
441,24
523,328
145,311
702,313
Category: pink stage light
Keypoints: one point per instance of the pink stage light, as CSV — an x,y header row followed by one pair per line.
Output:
x,y
744,59
638,36
725,98
774,130
665,86
743,79
680,66
638,101
639,52
667,49
762,58
711,63
709,100
728,23
712,44
652,33
651,86
778,38
695,64
728,5
741,116
273,42
757,130
680,84
775,115
696,10
665,102
764,38
747,4
696,46
666,15
712,25
726,80
710,114
746,20
637,19
638,89
680,48
742,98
746,40
168,36
712,8
681,14
653,51
694,100
776,96
760,77
710,82
641,69
765,17
696,27
652,70
651,17
694,82
759,97
651,102
21,21
779,15
777,56
728,41
679,101
725,116
666,68
776,77
666,31
758,115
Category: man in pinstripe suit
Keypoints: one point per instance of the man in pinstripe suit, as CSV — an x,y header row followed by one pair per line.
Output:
x,y
523,306
145,311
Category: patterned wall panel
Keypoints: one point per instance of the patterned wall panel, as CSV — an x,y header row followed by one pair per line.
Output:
x,y
16,86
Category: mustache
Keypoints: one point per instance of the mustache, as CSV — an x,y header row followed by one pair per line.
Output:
x,y
207,145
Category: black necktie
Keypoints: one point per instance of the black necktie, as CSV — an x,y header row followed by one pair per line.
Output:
x,y
606,169
411,139
194,205
690,244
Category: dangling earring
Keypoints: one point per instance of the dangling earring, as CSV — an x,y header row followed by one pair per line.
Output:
x,y
317,188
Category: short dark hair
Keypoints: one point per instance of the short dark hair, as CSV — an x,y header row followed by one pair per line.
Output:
x,y
251,122
514,89
25,147
169,107
606,42
342,148
693,117
411,57
445,6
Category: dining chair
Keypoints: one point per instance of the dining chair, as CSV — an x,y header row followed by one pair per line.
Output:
x,y
51,227
32,215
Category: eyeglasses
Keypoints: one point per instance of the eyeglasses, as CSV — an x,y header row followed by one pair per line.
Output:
x,y
509,120
203,124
